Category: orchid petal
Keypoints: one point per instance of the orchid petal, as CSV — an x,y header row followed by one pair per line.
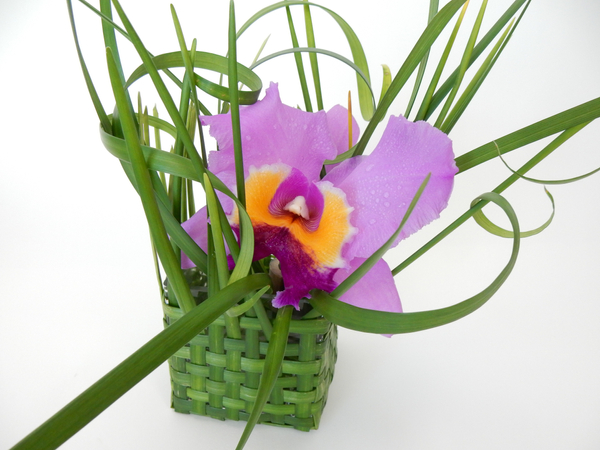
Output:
x,y
197,227
273,133
375,290
381,185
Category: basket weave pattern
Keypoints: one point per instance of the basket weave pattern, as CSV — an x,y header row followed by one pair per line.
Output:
x,y
218,376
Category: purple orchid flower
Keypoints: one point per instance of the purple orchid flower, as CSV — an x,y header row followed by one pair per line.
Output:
x,y
321,230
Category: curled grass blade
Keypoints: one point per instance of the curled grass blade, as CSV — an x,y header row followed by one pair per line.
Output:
x,y
98,397
538,181
494,229
359,72
209,61
358,54
379,322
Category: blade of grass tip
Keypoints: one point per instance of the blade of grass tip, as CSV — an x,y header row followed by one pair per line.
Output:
x,y
232,80
540,156
428,37
299,63
464,65
435,79
477,51
271,368
162,90
102,116
372,260
146,192
433,9
98,397
188,57
475,83
386,81
314,63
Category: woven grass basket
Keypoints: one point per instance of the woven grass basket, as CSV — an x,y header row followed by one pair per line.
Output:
x,y
217,376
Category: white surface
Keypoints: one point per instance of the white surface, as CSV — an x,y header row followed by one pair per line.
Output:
x,y
520,373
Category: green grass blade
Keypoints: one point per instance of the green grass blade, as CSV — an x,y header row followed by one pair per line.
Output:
x,y
540,156
272,366
299,62
497,28
314,63
386,81
435,79
107,19
424,43
102,116
162,90
83,409
476,82
379,322
216,234
142,180
433,9
464,65
232,79
372,260
573,117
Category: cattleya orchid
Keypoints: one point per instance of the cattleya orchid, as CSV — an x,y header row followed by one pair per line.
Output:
x,y
321,229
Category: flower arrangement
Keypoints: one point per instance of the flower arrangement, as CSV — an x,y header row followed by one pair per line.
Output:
x,y
297,205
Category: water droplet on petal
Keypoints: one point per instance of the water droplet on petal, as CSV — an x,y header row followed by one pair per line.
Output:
x,y
387,204
372,221
386,195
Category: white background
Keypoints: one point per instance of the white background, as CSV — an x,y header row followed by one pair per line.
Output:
x,y
78,283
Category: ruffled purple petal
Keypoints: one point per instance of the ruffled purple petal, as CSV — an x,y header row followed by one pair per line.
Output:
x,y
375,290
381,186
337,119
273,133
